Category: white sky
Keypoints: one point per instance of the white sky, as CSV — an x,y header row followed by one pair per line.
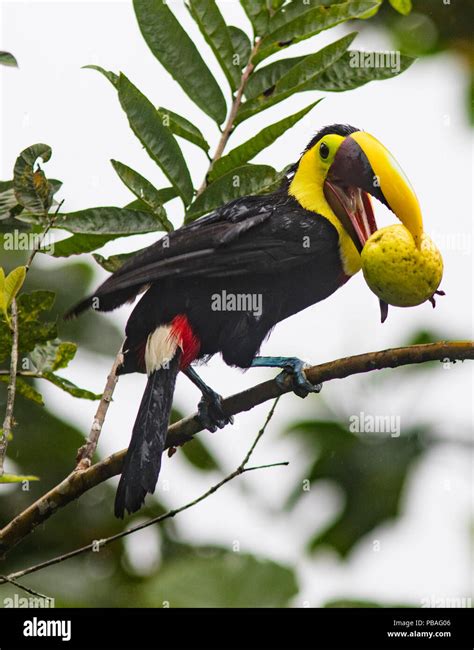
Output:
x,y
420,117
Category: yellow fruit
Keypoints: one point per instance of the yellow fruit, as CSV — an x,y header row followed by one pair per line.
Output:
x,y
397,271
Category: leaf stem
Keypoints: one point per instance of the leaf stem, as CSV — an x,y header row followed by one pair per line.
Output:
x,y
232,115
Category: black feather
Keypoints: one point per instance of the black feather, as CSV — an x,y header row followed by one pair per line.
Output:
x,y
143,460
337,129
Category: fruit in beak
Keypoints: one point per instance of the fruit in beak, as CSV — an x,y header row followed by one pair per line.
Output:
x,y
399,272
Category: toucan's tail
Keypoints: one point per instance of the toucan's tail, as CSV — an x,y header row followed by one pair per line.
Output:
x,y
143,460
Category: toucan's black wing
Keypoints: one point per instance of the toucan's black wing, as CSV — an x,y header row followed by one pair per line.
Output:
x,y
249,235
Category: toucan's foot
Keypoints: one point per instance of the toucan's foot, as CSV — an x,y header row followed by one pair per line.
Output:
x,y
211,414
301,386
291,366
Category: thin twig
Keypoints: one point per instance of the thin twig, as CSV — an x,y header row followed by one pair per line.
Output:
x,y
96,544
79,482
28,590
86,452
232,115
7,429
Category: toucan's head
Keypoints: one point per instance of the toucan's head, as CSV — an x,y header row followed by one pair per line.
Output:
x,y
337,172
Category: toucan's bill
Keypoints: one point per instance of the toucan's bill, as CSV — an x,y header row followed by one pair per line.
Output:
x,y
362,166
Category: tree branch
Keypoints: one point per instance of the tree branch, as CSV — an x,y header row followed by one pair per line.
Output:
x,y
181,432
85,453
241,469
6,431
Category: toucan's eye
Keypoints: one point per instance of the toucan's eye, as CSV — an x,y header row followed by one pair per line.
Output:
x,y
323,150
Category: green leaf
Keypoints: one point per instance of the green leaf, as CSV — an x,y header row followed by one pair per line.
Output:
x,y
13,283
69,387
402,6
7,200
108,221
14,478
217,578
370,469
5,185
8,59
31,331
214,29
166,194
312,22
65,353
53,355
176,52
25,389
296,77
182,127
79,244
346,73
241,44
248,179
114,262
111,76
158,140
199,455
263,80
423,336
32,189
248,150
3,297
144,191
313,64
293,10
258,14
31,305
10,208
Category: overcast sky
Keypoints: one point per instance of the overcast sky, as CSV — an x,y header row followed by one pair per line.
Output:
x,y
420,117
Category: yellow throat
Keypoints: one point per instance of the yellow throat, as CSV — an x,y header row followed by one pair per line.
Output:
x,y
307,188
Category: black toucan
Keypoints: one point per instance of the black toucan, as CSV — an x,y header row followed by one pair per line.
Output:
x,y
223,282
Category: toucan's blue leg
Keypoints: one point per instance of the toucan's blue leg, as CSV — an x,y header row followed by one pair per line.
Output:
x,y
291,366
210,411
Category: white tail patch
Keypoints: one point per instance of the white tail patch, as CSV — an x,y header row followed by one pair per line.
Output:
x,y
160,348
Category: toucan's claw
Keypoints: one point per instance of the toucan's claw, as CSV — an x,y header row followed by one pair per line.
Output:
x,y
301,386
211,414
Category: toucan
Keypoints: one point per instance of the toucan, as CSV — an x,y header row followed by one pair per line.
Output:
x,y
221,283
